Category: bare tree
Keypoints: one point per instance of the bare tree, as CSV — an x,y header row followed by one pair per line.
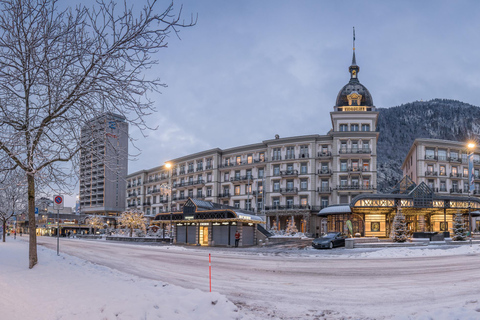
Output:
x,y
59,69
133,220
12,197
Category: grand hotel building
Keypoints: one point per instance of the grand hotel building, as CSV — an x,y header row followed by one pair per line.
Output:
x,y
282,178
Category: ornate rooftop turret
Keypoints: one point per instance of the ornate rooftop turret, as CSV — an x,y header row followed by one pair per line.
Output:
x,y
354,96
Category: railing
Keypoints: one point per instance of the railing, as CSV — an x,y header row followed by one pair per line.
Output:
x,y
189,183
240,163
191,170
431,173
354,150
241,178
324,154
455,175
428,157
289,157
443,174
200,168
289,190
303,156
276,158
208,167
290,173
455,190
324,171
324,189
290,207
354,187
224,195
147,203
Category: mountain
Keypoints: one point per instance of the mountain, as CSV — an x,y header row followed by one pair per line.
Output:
x,y
400,126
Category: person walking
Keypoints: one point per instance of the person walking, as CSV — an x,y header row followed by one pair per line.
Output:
x,y
237,238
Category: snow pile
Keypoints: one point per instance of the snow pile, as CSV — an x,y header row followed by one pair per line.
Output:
x,y
470,311
66,287
402,252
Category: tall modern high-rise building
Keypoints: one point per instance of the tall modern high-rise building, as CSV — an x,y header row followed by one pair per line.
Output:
x,y
104,165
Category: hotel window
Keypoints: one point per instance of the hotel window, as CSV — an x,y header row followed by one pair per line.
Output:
x,y
303,185
453,155
276,170
324,149
261,156
199,193
226,190
227,162
343,146
276,186
209,163
276,202
355,165
443,186
476,160
249,159
238,160
248,205
324,202
237,175
190,180
443,171
237,190
303,168
209,192
154,211
475,173
455,186
226,177
477,188
355,146
365,127
324,167
226,203
465,172
366,146
304,151
236,204
260,187
430,169
343,166
261,172
277,154
429,153
454,171
354,182
431,184
248,189
442,154
343,181
466,188
199,165
289,202
343,199
324,185
366,183
154,199
290,153
190,193
190,167
259,205
290,168
354,127
209,177
182,194
343,127
148,211
289,185
304,202
366,166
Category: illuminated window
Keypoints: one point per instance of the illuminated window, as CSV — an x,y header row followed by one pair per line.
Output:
x,y
237,190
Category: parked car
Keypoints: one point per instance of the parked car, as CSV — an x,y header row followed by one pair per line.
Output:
x,y
329,241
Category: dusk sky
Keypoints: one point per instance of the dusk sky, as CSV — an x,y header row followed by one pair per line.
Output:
x,y
252,69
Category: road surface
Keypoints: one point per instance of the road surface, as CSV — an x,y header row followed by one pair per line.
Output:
x,y
297,286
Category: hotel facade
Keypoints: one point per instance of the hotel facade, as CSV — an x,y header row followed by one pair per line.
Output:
x,y
283,178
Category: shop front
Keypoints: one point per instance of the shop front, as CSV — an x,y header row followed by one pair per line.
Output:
x,y
209,224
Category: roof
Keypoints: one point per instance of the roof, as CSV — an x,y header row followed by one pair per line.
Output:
x,y
335,209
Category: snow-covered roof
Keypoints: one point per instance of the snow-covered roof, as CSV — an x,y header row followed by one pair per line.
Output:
x,y
335,209
246,216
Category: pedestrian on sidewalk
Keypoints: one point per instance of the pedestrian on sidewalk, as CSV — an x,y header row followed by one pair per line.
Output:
x,y
237,238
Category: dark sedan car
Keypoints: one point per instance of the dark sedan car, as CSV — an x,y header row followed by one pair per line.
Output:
x,y
329,240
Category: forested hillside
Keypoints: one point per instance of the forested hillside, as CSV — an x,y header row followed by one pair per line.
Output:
x,y
400,126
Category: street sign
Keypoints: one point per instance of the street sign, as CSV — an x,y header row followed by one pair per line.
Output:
x,y
36,210
58,202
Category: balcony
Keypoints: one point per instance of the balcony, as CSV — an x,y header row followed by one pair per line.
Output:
x,y
148,203
276,158
455,175
326,154
290,207
258,193
456,190
190,170
239,179
290,157
288,190
182,172
457,160
431,157
431,173
237,163
200,168
208,167
224,195
289,173
303,156
442,174
353,187
355,151
323,172
324,190
162,200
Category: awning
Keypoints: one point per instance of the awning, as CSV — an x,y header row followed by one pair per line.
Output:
x,y
335,209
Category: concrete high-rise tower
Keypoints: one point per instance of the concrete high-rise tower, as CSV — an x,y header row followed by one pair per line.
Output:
x,y
104,165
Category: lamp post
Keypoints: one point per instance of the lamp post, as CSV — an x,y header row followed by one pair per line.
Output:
x,y
169,166
471,186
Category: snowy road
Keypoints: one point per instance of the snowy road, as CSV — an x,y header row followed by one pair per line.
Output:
x,y
299,286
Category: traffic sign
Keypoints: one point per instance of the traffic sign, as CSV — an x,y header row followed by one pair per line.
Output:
x,y
58,202
36,210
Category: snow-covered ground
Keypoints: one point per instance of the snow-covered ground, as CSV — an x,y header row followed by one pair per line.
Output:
x,y
424,283
66,287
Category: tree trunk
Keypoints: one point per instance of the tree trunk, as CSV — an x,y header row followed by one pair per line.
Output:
x,y
4,223
32,229
131,232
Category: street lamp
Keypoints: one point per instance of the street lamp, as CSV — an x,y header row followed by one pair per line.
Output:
x,y
471,178
169,166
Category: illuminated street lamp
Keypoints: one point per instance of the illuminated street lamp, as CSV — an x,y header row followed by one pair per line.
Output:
x,y
471,178
169,166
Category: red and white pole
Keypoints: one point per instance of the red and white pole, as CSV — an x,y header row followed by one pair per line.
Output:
x,y
210,270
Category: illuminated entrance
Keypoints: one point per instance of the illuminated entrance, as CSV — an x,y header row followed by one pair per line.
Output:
x,y
204,235
424,210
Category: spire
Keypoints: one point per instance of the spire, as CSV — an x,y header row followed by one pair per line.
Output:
x,y
354,69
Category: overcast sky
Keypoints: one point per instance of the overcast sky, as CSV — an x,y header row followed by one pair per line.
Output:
x,y
252,69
